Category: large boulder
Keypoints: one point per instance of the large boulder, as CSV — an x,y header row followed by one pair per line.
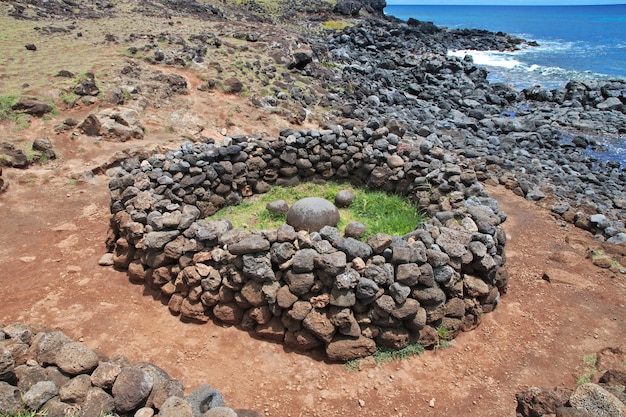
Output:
x,y
536,401
312,213
597,401
118,125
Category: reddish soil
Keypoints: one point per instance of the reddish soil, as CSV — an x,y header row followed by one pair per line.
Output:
x,y
53,233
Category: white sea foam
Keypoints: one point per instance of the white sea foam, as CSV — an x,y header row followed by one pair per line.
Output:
x,y
489,58
508,66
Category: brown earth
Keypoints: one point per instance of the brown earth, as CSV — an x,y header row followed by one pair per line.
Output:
x,y
52,237
53,223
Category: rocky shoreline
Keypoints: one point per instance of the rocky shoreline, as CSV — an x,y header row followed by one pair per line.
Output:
x,y
533,141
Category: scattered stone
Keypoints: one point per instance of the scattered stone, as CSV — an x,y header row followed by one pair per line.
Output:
x,y
233,86
31,106
344,198
278,206
87,86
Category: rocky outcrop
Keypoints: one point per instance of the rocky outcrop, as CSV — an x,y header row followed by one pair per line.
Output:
x,y
376,7
47,371
120,124
585,401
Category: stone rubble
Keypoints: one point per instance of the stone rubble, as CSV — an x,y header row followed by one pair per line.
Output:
x,y
46,370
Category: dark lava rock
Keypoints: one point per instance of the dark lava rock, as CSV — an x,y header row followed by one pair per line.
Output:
x,y
312,213
355,230
30,106
277,206
344,198
348,7
87,86
301,59
44,146
233,86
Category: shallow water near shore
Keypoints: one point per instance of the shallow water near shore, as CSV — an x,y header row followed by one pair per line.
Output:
x,y
575,43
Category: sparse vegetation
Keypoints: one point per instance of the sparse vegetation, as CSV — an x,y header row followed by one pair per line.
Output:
x,y
378,211
385,355
601,259
444,337
335,25
68,97
6,102
330,65
590,369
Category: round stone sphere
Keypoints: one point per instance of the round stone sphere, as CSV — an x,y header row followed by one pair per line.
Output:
x,y
312,213
344,198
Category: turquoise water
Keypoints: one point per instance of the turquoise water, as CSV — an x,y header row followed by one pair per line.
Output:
x,y
576,42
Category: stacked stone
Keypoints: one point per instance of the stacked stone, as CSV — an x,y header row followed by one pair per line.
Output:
x,y
312,289
48,371
537,142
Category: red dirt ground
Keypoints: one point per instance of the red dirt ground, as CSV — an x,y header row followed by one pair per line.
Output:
x,y
52,236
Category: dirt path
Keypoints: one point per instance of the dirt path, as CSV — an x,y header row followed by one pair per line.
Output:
x,y
52,237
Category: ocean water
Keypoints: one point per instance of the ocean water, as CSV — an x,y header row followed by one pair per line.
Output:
x,y
575,42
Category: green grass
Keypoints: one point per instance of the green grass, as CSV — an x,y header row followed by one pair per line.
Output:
x,y
335,25
386,355
444,337
443,332
6,102
68,97
590,369
378,211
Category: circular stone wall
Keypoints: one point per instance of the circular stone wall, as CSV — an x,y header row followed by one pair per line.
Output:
x,y
319,289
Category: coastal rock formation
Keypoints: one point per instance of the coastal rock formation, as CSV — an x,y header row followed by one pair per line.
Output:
x,y
536,142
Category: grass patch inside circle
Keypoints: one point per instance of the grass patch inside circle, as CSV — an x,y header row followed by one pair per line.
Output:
x,y
378,211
